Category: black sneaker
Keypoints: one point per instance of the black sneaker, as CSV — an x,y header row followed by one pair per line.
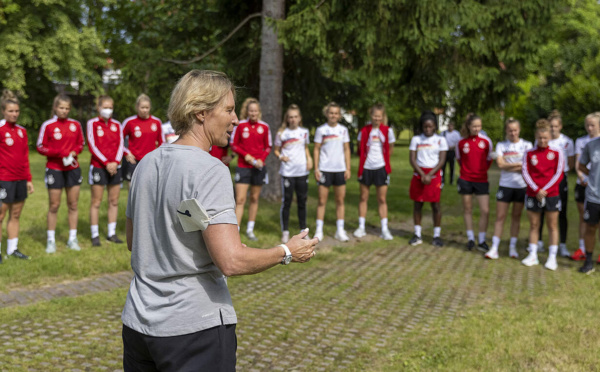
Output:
x,y
96,241
587,268
483,247
114,239
437,242
470,245
20,255
416,240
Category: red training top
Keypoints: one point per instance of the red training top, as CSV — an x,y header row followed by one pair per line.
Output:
x,y
474,155
365,143
145,135
543,168
57,138
14,153
219,152
105,141
252,138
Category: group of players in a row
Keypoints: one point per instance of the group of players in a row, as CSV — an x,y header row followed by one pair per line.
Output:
x,y
531,176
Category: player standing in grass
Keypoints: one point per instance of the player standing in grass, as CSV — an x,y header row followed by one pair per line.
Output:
x,y
332,167
512,188
61,140
15,175
474,154
542,169
427,156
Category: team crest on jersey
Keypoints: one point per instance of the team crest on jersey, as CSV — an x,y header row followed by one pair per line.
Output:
x,y
534,160
586,215
153,127
550,156
50,179
3,194
246,129
286,184
499,194
529,203
72,127
246,134
9,141
100,132
20,133
137,132
96,177
113,127
481,145
57,134
260,130
466,148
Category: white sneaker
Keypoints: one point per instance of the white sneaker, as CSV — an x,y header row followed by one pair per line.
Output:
x,y
50,246
341,236
360,232
250,235
74,244
319,235
531,260
492,254
512,252
386,234
285,237
551,264
563,251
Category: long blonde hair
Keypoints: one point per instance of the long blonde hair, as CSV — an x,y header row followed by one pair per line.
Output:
x,y
244,110
284,124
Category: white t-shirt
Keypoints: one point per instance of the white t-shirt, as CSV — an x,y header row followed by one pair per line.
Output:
x,y
452,138
566,145
512,153
332,140
428,149
293,144
375,158
579,145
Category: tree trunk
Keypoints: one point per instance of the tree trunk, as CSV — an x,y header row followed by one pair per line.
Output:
x,y
271,87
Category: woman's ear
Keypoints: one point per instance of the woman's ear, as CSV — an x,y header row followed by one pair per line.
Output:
x,y
200,116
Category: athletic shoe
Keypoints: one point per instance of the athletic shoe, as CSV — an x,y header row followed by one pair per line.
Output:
x,y
587,268
551,263
513,253
492,254
20,255
470,245
416,240
96,241
360,232
341,236
483,247
385,234
74,244
563,251
437,242
0,257
50,246
578,255
114,239
250,235
531,260
285,237
319,235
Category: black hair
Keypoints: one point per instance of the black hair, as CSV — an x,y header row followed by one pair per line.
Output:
x,y
425,116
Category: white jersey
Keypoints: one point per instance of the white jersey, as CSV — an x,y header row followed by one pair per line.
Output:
x,y
169,133
452,138
332,140
293,144
375,158
428,149
579,145
566,145
512,153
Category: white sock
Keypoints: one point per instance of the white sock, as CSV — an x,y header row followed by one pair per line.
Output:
x,y
562,246
495,242
95,232
470,235
112,228
319,226
481,237
11,245
250,226
340,225
50,234
553,249
533,248
513,242
72,234
582,245
418,230
384,222
361,223
437,231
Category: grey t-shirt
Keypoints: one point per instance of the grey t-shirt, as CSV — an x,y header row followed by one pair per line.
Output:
x,y
177,289
591,155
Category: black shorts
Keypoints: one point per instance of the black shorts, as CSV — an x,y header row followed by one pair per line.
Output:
x,y
212,349
100,176
128,169
591,213
377,177
510,195
13,191
332,179
252,176
477,188
553,204
56,179
579,193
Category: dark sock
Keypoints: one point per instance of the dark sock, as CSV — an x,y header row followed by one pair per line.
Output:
x,y
588,257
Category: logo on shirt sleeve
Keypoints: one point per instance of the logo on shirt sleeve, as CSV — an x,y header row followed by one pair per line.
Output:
x,y
481,145
73,127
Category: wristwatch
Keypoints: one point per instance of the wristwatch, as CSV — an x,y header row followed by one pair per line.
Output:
x,y
288,255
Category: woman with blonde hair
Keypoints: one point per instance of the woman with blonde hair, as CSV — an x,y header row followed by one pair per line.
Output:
x,y
252,142
15,175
